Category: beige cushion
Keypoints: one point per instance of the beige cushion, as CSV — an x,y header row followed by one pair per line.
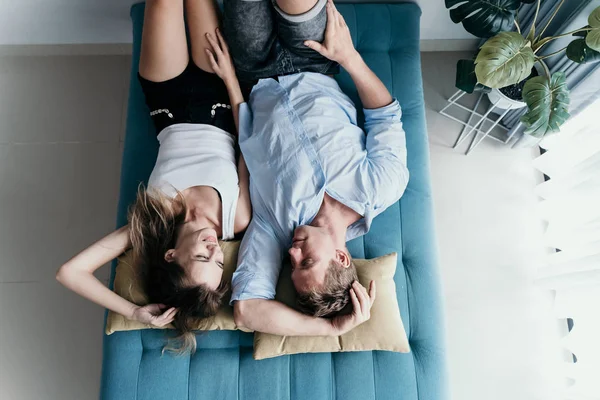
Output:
x,y
127,285
384,331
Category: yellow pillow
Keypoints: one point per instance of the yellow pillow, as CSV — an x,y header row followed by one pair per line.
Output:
x,y
384,331
128,285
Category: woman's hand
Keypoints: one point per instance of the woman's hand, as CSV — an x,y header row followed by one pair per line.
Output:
x,y
219,58
361,308
337,45
222,63
156,315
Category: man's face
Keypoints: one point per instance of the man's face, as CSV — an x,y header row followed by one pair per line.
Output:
x,y
311,252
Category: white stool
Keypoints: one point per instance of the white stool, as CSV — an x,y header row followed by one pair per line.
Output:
x,y
475,123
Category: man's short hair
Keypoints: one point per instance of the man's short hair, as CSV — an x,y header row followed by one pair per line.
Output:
x,y
333,296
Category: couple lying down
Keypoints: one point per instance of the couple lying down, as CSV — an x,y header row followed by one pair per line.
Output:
x,y
307,180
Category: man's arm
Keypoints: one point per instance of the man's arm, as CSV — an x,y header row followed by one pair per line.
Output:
x,y
253,290
271,316
372,92
386,140
338,47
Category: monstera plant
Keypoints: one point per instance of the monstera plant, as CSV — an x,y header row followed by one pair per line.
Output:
x,y
506,61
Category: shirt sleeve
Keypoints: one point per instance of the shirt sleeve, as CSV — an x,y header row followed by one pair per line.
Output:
x,y
386,153
259,263
245,116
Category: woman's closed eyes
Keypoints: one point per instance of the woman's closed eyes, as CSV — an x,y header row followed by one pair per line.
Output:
x,y
203,258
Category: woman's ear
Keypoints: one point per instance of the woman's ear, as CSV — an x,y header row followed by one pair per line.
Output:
x,y
170,255
342,258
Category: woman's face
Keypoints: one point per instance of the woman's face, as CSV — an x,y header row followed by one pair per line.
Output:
x,y
199,253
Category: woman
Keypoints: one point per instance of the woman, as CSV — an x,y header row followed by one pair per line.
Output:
x,y
196,192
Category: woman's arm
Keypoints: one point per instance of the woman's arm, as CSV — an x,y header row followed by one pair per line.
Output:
x,y
244,207
77,274
235,98
222,64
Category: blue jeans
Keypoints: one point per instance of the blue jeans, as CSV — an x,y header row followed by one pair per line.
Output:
x,y
266,42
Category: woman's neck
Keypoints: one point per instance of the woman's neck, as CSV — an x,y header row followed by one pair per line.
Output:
x,y
204,207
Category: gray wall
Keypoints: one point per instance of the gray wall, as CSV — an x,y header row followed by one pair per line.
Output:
x,y
59,22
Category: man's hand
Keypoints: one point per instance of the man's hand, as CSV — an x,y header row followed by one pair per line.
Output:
x,y
154,314
337,45
361,303
220,59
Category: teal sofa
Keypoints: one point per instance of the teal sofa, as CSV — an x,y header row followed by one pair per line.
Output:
x,y
387,35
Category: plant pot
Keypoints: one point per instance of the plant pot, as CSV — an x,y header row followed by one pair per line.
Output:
x,y
504,102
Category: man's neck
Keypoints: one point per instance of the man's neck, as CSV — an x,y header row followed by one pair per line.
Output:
x,y
335,217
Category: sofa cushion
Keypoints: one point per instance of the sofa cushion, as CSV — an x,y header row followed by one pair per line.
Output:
x,y
384,331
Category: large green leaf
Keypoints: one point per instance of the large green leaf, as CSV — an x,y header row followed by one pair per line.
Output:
x,y
548,103
466,80
581,53
484,18
506,59
593,36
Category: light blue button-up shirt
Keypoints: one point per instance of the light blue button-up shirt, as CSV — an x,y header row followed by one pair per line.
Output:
x,y
300,140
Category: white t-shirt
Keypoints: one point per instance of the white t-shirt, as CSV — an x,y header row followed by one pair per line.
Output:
x,y
198,155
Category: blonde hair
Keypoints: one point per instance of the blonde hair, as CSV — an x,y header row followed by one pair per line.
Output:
x,y
154,222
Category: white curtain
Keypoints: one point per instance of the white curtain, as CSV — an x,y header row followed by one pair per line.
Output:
x,y
571,207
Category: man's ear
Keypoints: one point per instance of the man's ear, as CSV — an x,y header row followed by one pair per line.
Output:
x,y
170,255
342,258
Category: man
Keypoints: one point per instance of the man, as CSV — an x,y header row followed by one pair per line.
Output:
x,y
316,179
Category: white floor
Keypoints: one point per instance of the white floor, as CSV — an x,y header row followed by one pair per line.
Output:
x,y
60,124
502,337
61,120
